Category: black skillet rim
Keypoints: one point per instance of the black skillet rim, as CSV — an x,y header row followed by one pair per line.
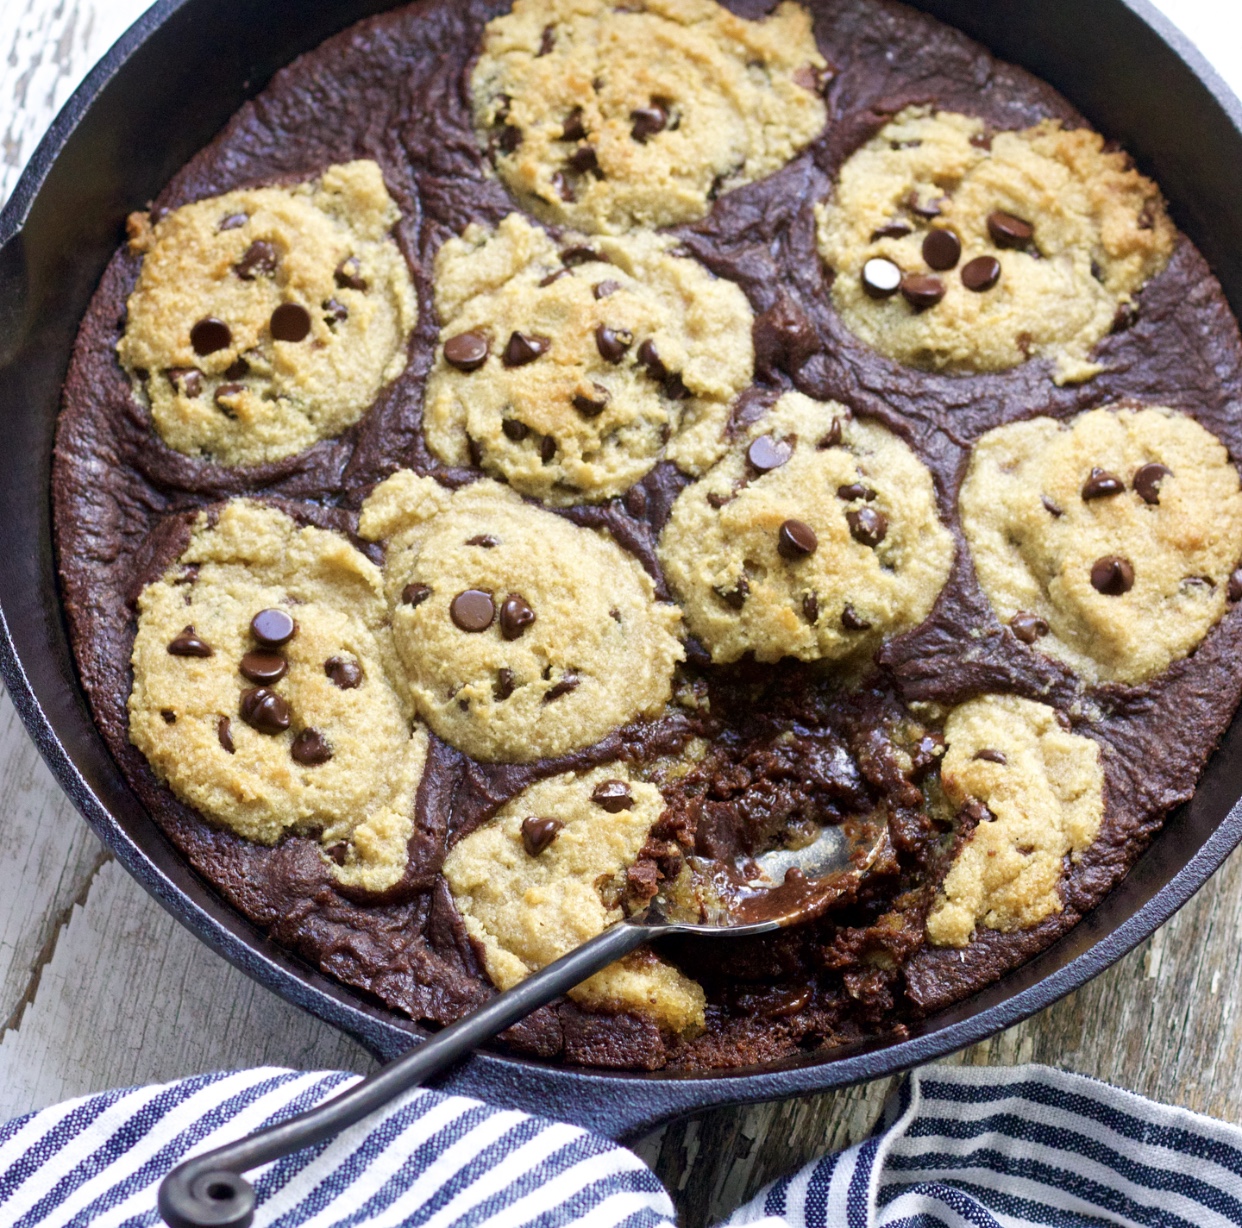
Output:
x,y
625,1104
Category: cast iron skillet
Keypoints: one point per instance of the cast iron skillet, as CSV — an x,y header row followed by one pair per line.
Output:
x,y
157,97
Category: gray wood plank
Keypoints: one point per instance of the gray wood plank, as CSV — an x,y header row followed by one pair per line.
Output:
x,y
131,997
47,855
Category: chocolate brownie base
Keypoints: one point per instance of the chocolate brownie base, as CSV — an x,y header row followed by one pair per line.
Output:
x,y
393,89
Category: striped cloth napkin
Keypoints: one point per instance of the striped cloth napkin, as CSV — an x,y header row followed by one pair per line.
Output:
x,y
955,1147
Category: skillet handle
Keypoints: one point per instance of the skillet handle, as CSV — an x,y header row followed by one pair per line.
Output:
x,y
209,1190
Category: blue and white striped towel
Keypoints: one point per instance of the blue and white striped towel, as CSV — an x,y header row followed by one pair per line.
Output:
x,y
956,1146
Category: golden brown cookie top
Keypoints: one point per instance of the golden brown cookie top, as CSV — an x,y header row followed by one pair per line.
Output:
x,y
1106,542
608,117
1037,792
958,249
267,319
816,537
531,884
265,691
523,635
569,370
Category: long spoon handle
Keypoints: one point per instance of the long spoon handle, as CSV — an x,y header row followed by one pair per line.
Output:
x,y
209,1190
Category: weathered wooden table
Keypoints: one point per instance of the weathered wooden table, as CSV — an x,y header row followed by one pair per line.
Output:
x,y
100,988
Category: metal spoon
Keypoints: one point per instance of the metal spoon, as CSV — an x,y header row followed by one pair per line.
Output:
x,y
780,888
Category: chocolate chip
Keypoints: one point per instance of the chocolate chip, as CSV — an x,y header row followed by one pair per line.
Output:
x,y
648,122
226,391
796,540
232,222
650,359
569,682
415,593
338,853
613,796
547,450
239,368
309,749
473,610
767,453
335,312
515,616
210,335
735,597
1147,479
880,278
170,717
572,257
867,526
981,273
187,379
349,274
854,491
1050,507
810,608
264,710
224,731
584,161
1100,484
290,322
259,260
613,343
273,627
833,438
504,684
988,755
851,620
537,834
467,351
1028,627
592,404
925,208
523,348
606,288
1235,586
922,291
509,139
486,540
1009,231
344,672
574,129
1112,575
891,230
552,278
981,140
547,40
514,430
942,249
188,644
264,668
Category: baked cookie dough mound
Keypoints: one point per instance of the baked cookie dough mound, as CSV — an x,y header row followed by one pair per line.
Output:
x,y
961,250
817,536
570,371
523,636
269,318
263,692
539,879
1107,542
608,117
1038,794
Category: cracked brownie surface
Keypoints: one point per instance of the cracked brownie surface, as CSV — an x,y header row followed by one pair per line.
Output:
x,y
747,754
